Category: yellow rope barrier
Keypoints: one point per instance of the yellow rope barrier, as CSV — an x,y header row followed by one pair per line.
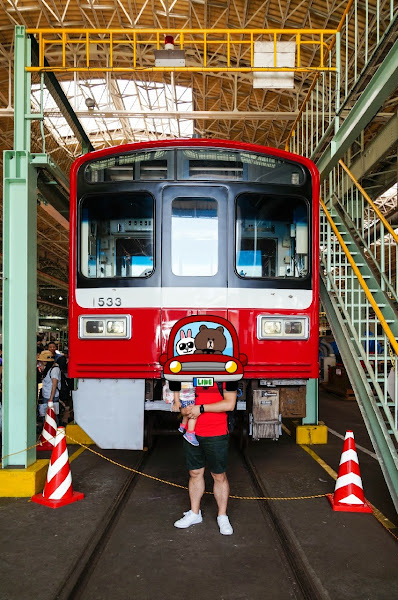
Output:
x,y
25,449
183,487
177,485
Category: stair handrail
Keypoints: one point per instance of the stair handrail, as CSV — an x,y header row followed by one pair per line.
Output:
x,y
368,293
370,201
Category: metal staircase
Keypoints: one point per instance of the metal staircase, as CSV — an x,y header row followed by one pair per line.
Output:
x,y
365,327
358,246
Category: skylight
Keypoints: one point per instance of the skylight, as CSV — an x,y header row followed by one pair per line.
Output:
x,y
121,111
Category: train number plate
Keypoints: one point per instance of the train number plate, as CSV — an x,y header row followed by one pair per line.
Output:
x,y
203,381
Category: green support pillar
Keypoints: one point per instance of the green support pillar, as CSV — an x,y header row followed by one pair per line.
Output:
x,y
311,402
19,275
311,432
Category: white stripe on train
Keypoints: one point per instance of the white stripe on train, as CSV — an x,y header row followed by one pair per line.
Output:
x,y
183,297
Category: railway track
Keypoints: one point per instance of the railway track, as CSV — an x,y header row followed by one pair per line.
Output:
x,y
299,578
72,588
307,585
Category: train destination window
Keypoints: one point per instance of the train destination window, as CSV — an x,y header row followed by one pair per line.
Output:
x,y
117,235
149,165
194,237
271,236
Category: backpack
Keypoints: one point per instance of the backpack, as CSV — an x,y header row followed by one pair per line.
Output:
x,y
63,386
65,389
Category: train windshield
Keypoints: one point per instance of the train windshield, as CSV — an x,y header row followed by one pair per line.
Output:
x,y
271,236
117,235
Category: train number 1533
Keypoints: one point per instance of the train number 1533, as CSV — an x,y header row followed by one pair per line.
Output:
x,y
109,301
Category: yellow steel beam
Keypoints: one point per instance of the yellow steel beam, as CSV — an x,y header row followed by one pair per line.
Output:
x,y
195,69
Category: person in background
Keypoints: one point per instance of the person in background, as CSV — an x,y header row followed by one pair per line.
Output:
x,y
40,346
65,399
51,381
52,347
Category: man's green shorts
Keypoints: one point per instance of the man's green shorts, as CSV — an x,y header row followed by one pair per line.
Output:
x,y
211,452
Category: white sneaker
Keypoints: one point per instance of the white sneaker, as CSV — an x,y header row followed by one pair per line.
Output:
x,y
189,518
224,525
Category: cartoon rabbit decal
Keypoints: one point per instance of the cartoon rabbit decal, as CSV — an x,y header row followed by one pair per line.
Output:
x,y
186,344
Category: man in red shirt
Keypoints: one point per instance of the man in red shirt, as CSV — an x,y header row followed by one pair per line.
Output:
x,y
210,410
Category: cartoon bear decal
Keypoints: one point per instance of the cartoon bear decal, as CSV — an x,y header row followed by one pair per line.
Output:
x,y
210,341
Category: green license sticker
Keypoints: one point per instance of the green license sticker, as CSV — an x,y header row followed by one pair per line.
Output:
x,y
203,381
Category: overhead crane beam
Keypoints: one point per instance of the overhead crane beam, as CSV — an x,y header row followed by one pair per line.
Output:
x,y
213,45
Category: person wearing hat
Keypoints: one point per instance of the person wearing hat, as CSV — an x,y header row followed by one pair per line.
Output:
x,y
51,381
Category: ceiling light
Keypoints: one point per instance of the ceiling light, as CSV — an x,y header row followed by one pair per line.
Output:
x,y
89,103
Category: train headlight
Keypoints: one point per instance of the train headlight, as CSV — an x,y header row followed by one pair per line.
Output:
x,y
282,327
118,327
231,366
269,327
294,327
175,366
105,327
94,327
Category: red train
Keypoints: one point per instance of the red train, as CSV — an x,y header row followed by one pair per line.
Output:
x,y
171,229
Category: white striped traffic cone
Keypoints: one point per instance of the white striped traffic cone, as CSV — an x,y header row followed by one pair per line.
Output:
x,y
58,489
47,437
348,494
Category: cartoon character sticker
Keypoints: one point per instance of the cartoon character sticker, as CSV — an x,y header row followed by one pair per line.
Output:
x,y
210,340
186,343
203,347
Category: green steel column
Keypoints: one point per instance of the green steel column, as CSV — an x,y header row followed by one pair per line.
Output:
x,y
311,402
19,273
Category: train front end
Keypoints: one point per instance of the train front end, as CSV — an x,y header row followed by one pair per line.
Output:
x,y
197,229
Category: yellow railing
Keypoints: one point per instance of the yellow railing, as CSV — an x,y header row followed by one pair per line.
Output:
x,y
135,46
379,214
363,284
376,235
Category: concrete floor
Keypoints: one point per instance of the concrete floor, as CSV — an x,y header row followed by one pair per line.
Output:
x,y
350,556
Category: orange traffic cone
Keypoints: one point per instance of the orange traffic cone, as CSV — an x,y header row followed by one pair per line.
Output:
x,y
348,494
58,489
47,437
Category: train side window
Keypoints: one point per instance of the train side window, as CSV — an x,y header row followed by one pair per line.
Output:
x,y
271,236
117,235
194,237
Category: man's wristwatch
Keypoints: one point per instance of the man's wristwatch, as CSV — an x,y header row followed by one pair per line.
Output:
x,y
202,409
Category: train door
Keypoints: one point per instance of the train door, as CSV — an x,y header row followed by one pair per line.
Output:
x,y
194,251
